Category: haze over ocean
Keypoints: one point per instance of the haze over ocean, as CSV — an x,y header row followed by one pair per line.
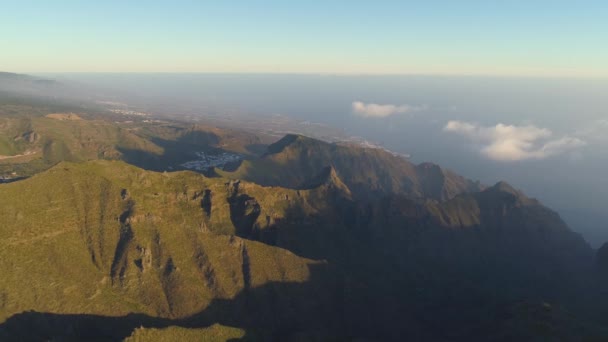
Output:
x,y
544,135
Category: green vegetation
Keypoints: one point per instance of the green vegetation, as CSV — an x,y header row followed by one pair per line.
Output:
x,y
106,238
311,241
214,333
32,139
85,246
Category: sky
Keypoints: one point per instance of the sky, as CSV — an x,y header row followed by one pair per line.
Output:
x,y
494,89
510,38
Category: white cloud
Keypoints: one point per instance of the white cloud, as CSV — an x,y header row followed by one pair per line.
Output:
x,y
373,110
510,143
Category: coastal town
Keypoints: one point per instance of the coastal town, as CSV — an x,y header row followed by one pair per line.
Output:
x,y
206,161
128,112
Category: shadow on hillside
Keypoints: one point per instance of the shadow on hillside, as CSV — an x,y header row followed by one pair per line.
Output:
x,y
178,151
391,273
257,149
175,152
275,311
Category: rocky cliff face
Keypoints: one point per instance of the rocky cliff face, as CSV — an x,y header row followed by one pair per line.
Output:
x,y
125,248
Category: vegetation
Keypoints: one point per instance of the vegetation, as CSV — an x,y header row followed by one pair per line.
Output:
x,y
215,332
32,139
106,238
311,241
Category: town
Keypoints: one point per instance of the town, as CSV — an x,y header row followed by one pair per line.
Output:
x,y
206,161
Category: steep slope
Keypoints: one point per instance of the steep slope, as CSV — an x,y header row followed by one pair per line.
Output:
x,y
106,248
105,238
367,172
427,262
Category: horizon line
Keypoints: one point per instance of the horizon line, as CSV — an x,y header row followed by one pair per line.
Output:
x,y
341,74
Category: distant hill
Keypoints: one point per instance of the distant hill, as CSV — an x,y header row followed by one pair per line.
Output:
x,y
34,138
26,85
367,172
30,144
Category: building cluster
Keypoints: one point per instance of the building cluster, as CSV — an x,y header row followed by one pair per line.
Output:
x,y
206,161
128,112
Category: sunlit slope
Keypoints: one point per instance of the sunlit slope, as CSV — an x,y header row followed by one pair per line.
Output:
x,y
108,238
31,144
215,332
90,245
33,139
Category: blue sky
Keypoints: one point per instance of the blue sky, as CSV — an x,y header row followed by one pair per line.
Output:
x,y
546,38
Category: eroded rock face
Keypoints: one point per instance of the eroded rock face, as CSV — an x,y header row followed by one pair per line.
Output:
x,y
366,267
206,202
244,213
31,137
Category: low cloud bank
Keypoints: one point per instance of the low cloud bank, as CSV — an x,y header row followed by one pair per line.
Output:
x,y
374,110
512,143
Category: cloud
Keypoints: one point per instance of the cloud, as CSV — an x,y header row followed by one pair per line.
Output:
x,y
373,110
511,143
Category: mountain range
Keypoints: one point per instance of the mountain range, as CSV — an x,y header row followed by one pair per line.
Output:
x,y
104,236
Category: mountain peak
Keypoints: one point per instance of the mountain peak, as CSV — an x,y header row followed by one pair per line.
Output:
x,y
282,143
296,160
503,186
10,76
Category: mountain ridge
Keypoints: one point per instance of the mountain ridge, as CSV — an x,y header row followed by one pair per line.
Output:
x,y
181,246
290,161
308,241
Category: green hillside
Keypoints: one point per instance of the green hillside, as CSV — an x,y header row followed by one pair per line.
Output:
x,y
100,242
215,332
105,248
106,238
32,144
32,139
